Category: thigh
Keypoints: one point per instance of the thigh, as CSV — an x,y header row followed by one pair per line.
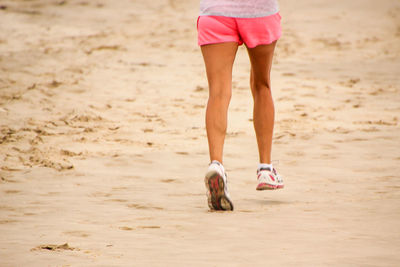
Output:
x,y
219,59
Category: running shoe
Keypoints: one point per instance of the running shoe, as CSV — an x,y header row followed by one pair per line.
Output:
x,y
268,180
217,189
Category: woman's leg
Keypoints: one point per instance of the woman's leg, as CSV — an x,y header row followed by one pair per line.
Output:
x,y
263,111
218,59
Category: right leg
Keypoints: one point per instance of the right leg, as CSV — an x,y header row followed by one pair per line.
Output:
x,y
218,59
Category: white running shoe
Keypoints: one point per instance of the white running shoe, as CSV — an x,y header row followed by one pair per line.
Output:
x,y
217,189
268,180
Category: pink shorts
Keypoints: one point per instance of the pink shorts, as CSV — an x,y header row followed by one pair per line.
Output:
x,y
251,31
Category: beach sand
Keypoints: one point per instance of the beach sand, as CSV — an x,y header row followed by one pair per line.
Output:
x,y
103,145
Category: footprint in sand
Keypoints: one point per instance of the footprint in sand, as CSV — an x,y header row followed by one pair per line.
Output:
x,y
326,156
12,191
117,200
182,153
143,207
104,47
200,89
120,188
7,221
169,180
4,179
370,129
296,153
288,74
126,228
285,98
340,130
77,233
199,106
149,227
148,130
350,82
380,122
100,194
358,139
52,247
68,153
328,147
308,95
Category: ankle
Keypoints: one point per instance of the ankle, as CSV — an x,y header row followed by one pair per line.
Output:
x,y
265,166
216,162
218,165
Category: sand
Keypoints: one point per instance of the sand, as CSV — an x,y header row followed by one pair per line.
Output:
x,y
103,146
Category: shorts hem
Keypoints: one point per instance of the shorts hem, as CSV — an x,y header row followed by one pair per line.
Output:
x,y
220,42
264,43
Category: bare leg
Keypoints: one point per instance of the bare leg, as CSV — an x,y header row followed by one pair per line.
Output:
x,y
218,59
263,112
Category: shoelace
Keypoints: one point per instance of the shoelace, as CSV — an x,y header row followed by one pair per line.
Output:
x,y
278,177
274,172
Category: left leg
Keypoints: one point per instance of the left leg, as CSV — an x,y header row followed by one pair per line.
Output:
x,y
263,111
263,114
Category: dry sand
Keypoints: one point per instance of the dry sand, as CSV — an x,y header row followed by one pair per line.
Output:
x,y
103,144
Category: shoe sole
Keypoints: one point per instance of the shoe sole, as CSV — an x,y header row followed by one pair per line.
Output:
x,y
265,186
217,199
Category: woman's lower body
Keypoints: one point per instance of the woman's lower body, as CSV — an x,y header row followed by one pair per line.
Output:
x,y
219,38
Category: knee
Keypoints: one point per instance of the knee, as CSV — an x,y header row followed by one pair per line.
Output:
x,y
260,86
220,95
